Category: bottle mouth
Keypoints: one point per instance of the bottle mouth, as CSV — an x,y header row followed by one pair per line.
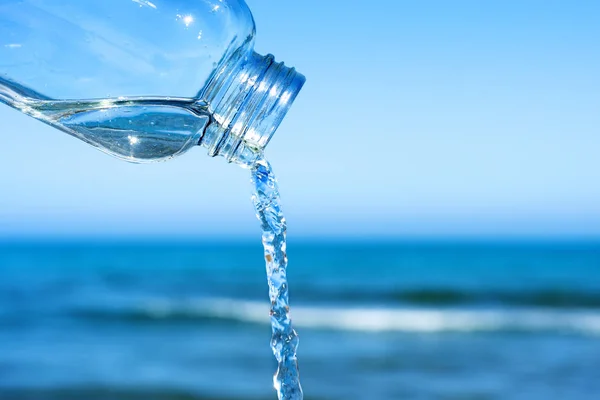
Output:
x,y
248,100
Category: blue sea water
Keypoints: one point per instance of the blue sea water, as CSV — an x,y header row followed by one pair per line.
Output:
x,y
431,320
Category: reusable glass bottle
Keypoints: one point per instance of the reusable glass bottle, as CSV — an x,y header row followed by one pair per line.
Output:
x,y
145,80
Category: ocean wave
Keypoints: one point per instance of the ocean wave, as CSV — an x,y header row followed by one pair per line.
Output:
x,y
547,298
90,392
362,319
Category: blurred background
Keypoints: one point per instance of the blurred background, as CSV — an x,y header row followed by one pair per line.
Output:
x,y
440,178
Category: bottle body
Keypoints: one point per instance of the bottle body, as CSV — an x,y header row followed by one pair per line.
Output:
x,y
142,80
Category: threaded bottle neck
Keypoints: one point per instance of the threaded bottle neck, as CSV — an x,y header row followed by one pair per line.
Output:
x,y
248,100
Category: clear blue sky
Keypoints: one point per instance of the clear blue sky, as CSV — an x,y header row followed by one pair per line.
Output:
x,y
429,118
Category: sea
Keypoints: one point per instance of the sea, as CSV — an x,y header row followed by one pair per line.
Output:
x,y
189,320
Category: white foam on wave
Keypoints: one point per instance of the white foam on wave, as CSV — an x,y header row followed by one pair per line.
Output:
x,y
389,319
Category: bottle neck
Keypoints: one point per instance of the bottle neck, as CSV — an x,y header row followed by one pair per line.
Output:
x,y
248,98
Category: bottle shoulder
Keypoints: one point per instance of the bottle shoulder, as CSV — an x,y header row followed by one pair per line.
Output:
x,y
74,49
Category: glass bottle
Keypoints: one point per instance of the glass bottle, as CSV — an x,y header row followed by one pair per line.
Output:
x,y
145,80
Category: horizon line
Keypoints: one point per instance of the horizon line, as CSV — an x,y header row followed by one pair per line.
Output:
x,y
306,239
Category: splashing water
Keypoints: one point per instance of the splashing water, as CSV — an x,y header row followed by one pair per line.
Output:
x,y
284,341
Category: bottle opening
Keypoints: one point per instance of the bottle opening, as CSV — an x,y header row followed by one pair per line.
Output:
x,y
248,100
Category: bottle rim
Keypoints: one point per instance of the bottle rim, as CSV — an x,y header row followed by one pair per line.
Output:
x,y
248,101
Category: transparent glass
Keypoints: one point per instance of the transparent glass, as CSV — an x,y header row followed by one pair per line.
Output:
x,y
145,80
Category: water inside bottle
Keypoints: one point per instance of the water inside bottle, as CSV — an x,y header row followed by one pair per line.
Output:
x,y
133,129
